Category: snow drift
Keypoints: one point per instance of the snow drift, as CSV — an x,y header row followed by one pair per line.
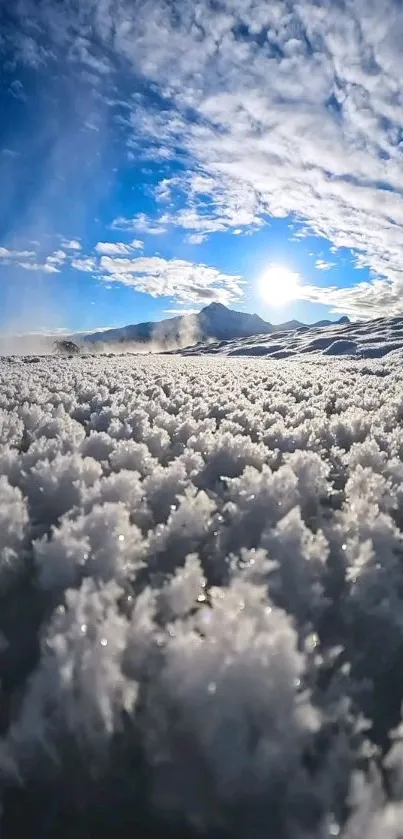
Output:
x,y
201,597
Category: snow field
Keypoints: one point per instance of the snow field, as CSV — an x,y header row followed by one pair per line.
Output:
x,y
201,597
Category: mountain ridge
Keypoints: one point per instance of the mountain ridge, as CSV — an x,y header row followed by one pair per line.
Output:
x,y
214,322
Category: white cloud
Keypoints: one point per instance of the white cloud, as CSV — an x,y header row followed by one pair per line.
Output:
x,y
174,312
71,245
112,248
7,254
118,248
51,265
46,267
270,109
87,264
140,223
323,265
196,238
300,106
57,258
174,278
375,298
213,205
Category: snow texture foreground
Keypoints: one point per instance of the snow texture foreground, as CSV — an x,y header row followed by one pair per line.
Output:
x,y
201,586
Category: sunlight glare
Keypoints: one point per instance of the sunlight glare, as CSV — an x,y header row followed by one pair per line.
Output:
x,y
278,285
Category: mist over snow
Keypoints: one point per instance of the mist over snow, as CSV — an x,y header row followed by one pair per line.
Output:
x,y
201,597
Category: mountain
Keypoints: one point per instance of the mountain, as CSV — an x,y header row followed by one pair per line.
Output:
x,y
215,321
340,322
290,325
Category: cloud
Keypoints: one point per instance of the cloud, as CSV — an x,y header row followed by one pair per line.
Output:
x,y
57,258
87,264
50,266
111,248
17,90
300,106
371,299
118,248
322,265
174,278
140,223
175,312
7,254
71,245
196,238
213,205
39,266
265,109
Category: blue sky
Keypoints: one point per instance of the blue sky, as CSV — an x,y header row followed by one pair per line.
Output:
x,y
156,156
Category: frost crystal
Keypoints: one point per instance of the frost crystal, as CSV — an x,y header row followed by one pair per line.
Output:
x,y
201,583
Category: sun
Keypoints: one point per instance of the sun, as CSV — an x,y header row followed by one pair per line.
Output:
x,y
278,285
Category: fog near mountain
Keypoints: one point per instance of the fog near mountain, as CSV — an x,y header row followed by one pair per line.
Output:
x,y
214,322
219,331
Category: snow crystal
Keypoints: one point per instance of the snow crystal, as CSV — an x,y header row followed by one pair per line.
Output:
x,y
201,595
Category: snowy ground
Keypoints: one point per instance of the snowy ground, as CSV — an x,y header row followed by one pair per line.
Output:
x,y
367,339
201,597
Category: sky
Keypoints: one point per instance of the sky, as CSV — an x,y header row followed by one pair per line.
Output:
x,y
157,156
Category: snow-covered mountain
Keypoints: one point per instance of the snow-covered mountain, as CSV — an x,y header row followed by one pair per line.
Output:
x,y
215,321
362,340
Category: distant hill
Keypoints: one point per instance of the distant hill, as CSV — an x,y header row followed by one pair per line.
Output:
x,y
214,322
